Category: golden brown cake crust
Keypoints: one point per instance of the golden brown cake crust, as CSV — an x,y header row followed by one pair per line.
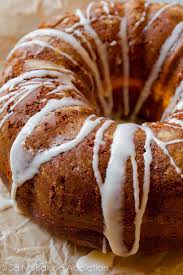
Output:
x,y
64,196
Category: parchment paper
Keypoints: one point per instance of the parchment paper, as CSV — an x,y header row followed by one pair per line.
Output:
x,y
24,247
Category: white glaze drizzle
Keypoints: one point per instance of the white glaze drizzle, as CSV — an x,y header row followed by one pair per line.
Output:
x,y
70,39
157,68
7,96
29,89
163,146
61,89
43,45
10,84
112,190
158,13
97,143
105,7
175,121
129,130
143,17
113,43
26,164
179,107
72,28
174,141
104,245
172,105
26,88
146,186
89,8
126,63
91,52
140,210
102,50
171,126
177,114
85,41
122,150
22,95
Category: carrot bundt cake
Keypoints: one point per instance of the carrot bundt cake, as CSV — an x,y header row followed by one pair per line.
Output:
x,y
68,157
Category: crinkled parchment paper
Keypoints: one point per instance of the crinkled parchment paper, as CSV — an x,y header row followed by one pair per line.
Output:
x,y
24,247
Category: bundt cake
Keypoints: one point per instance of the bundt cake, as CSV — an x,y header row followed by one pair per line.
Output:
x,y
73,152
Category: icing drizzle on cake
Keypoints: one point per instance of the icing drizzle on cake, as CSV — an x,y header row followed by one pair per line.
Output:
x,y
26,163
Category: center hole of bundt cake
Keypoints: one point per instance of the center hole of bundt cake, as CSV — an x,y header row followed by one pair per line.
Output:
x,y
130,105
